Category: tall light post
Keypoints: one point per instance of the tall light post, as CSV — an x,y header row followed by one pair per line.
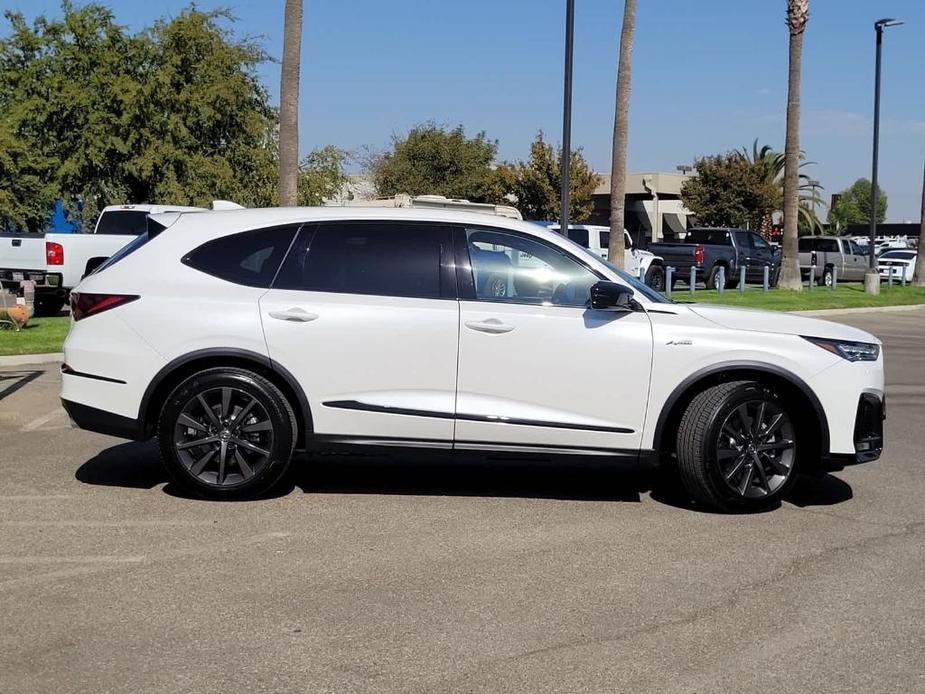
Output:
x,y
872,277
566,166
813,185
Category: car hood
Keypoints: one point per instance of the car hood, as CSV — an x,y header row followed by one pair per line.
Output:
x,y
779,322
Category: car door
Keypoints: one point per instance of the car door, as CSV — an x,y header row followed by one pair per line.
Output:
x,y
856,261
364,315
761,256
538,368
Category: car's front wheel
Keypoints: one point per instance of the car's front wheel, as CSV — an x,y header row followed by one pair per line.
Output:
x,y
736,447
226,433
655,278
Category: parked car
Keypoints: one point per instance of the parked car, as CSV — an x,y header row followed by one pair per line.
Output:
x,y
833,257
56,262
239,337
597,240
899,263
711,250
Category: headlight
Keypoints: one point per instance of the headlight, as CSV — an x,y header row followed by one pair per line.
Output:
x,y
852,351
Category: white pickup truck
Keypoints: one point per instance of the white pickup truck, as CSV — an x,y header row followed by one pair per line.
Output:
x,y
57,262
648,266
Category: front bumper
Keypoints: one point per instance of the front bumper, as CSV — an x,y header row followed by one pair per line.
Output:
x,y
868,434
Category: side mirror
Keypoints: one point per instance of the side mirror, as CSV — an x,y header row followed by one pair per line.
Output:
x,y
610,296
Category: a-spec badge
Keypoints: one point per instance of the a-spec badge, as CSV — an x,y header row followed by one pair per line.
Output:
x,y
679,342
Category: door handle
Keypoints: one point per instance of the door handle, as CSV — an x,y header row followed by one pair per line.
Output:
x,y
294,315
492,325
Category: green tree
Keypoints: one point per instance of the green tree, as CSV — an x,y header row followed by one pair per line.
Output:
x,y
26,195
321,175
730,190
853,206
536,183
174,113
433,160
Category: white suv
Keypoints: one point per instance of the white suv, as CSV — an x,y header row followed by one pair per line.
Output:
x,y
238,337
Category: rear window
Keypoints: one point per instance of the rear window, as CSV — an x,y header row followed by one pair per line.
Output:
x,y
251,258
126,222
714,237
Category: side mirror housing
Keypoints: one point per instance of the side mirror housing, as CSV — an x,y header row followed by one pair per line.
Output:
x,y
611,296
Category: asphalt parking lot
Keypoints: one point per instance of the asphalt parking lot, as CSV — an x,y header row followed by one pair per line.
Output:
x,y
365,576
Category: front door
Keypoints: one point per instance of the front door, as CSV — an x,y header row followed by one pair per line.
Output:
x,y
364,315
538,369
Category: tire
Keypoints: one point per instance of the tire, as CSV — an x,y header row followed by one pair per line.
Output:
x,y
713,279
827,277
729,461
257,449
48,305
496,287
655,277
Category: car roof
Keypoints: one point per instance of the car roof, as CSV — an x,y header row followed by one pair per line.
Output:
x,y
151,209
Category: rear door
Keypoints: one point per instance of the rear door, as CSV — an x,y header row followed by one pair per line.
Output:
x,y
364,315
761,256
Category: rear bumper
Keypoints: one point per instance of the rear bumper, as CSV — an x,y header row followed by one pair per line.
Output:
x,y
868,434
44,281
102,422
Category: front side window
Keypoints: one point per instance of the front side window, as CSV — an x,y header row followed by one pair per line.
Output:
x,y
250,258
520,270
759,243
856,248
374,258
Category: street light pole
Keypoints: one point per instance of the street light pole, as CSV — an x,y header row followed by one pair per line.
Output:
x,y
872,278
566,165
813,185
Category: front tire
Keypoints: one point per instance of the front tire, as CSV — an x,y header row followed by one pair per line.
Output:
x,y
226,433
736,447
655,278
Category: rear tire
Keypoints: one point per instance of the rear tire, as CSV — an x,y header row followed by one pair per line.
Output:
x,y
713,279
827,277
736,447
226,433
48,305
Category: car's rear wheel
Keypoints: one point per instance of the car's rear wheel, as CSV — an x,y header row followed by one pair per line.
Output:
x,y
737,447
828,277
48,305
226,433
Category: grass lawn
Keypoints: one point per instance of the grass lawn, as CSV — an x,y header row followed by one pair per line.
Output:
x,y
42,335
846,296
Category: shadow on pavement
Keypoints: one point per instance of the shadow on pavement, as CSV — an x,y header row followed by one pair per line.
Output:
x,y
12,381
138,466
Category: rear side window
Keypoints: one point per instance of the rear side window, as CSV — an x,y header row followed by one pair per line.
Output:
x,y
376,258
805,245
251,258
714,237
580,236
125,222
605,239
827,245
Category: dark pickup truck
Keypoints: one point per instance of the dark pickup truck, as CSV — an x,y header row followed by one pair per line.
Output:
x,y
710,249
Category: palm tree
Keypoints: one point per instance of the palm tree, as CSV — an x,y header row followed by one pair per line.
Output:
x,y
797,17
620,133
289,105
771,164
919,275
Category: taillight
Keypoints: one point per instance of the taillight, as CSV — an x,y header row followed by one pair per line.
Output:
x,y
698,254
54,253
85,305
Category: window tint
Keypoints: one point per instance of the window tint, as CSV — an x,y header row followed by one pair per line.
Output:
x,y
899,255
744,239
580,236
717,237
379,258
605,240
827,245
856,249
520,270
127,222
250,258
758,242
806,245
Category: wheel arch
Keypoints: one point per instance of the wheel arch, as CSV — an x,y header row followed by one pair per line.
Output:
x,y
788,384
171,375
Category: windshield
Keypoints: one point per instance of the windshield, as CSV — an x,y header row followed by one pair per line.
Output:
x,y
899,255
638,286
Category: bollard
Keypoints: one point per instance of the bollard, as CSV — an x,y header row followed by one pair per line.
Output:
x,y
693,278
669,271
765,279
742,278
889,281
812,276
721,285
902,277
834,278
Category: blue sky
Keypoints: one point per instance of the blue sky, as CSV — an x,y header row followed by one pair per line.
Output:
x,y
707,76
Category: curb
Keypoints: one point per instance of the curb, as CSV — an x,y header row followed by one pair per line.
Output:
x,y
863,309
23,359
